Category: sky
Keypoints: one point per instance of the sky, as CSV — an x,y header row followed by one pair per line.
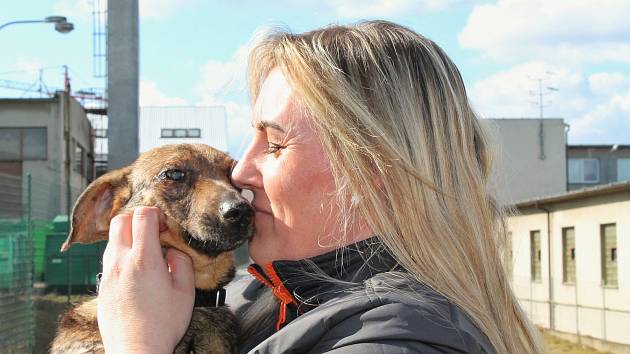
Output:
x,y
193,52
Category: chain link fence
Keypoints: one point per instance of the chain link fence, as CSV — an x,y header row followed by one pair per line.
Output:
x,y
36,279
16,267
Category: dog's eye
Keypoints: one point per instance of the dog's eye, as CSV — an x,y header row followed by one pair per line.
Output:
x,y
174,175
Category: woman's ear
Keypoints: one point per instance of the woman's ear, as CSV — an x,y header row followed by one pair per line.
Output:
x,y
96,206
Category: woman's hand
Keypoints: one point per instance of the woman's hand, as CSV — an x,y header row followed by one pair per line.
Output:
x,y
143,305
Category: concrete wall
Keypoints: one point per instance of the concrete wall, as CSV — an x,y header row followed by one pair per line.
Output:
x,y
212,121
122,81
576,308
519,172
48,175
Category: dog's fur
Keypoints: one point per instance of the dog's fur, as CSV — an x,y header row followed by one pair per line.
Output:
x,y
195,219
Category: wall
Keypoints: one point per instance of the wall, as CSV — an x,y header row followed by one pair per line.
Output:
x,y
519,172
607,162
48,175
588,318
211,120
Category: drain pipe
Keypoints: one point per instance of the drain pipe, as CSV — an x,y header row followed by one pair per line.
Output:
x,y
549,272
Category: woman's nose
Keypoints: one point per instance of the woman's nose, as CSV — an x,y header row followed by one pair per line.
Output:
x,y
245,174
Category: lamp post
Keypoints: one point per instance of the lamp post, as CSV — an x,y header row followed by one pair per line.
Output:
x,y
61,23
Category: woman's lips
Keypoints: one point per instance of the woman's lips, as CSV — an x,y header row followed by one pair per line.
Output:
x,y
262,211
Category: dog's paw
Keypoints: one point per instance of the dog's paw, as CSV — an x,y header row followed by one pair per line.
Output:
x,y
212,330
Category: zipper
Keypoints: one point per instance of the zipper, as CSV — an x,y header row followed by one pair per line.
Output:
x,y
271,280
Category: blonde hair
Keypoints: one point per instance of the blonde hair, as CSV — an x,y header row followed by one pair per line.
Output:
x,y
394,120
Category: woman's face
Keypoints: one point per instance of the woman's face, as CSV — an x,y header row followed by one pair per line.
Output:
x,y
290,177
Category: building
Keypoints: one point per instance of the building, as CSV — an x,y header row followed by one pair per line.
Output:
x,y
527,166
174,125
570,263
32,141
591,165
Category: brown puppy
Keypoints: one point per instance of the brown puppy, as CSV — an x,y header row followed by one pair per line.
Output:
x,y
202,215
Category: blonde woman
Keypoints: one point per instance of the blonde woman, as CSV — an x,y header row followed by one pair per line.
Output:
x,y
375,229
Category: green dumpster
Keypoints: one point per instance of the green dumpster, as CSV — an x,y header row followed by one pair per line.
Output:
x,y
40,230
60,223
72,271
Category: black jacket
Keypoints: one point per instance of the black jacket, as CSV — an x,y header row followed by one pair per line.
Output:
x,y
373,306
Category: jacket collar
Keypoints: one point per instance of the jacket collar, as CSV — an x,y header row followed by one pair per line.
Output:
x,y
303,285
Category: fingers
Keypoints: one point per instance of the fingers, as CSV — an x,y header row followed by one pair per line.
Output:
x,y
120,232
181,270
146,233
119,240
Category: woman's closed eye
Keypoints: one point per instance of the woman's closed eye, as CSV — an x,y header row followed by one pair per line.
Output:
x,y
273,148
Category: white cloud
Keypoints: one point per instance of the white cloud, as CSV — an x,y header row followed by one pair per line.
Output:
x,y
161,9
30,64
561,30
608,83
597,107
223,83
77,10
151,95
81,10
220,78
238,123
357,9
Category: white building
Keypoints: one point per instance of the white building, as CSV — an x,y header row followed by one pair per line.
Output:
x,y
174,125
571,264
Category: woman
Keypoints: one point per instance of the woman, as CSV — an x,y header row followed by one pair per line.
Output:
x,y
375,228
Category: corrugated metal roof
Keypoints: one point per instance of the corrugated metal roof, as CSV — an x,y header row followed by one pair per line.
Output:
x,y
576,194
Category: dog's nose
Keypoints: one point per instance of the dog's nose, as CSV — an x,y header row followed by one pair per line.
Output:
x,y
236,212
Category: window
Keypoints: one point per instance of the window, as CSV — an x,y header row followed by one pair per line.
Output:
x,y
623,170
609,254
194,133
167,133
568,255
535,256
181,133
79,159
583,171
100,133
18,144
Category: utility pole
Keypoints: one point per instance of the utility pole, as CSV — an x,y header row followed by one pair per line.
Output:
x,y
542,92
122,81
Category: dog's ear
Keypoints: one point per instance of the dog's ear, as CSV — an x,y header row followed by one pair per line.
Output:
x,y
96,206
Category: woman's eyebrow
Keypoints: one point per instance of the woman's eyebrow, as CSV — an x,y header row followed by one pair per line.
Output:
x,y
264,124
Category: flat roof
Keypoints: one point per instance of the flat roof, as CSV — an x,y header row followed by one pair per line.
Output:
x,y
522,118
27,100
598,146
574,195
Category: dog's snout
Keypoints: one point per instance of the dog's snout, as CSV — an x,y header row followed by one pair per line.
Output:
x,y
236,212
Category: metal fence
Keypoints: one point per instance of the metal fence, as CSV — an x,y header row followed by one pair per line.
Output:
x,y
16,266
33,224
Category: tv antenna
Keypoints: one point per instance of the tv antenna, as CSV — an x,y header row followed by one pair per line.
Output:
x,y
542,92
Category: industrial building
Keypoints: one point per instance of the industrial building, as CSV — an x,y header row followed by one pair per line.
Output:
x,y
187,124
33,141
570,261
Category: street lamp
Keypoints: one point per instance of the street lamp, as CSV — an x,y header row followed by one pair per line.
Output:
x,y
61,23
